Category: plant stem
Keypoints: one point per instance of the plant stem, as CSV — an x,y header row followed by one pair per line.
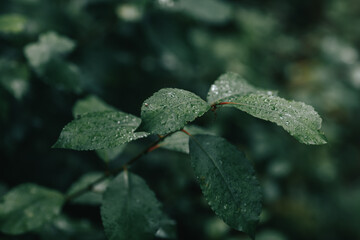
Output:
x,y
224,103
186,132
116,171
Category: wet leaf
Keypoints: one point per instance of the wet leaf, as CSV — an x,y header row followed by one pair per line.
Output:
x,y
28,207
297,118
227,180
170,109
94,104
230,84
130,209
99,130
94,196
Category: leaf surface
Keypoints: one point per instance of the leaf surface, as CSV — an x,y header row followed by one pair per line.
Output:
x,y
227,180
99,130
297,118
27,207
170,109
229,84
94,104
130,209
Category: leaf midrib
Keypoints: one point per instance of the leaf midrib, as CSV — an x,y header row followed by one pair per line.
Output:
x,y
222,175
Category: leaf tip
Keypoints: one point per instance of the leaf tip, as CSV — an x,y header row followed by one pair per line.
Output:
x,y
56,145
324,139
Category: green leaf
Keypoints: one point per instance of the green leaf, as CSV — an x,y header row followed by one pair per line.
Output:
x,y
230,84
179,141
227,181
94,104
12,23
94,196
99,130
91,104
211,11
297,118
50,46
28,207
130,209
169,109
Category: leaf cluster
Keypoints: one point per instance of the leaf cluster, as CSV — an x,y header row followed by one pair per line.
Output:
x,y
129,208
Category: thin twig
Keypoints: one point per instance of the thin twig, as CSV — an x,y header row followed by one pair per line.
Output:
x,y
116,171
87,188
186,132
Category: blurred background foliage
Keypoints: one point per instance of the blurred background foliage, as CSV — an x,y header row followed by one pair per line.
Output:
x,y
53,53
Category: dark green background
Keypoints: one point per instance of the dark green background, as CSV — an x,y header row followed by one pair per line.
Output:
x,y
308,50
